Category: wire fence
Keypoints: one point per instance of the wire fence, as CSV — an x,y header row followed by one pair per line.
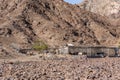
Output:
x,y
94,50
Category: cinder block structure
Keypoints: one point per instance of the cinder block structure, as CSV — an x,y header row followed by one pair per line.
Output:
x,y
93,51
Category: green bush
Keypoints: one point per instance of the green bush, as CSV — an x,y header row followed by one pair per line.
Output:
x,y
40,46
119,45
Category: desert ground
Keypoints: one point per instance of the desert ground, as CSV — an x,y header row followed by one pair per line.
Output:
x,y
59,67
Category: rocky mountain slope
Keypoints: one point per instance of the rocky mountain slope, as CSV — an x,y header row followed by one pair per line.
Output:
x,y
54,22
109,8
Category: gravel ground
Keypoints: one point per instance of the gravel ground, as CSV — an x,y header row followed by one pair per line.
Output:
x,y
68,68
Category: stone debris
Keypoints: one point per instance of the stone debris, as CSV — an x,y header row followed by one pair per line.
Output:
x,y
71,68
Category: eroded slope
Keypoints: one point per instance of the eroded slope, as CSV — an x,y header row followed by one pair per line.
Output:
x,y
54,22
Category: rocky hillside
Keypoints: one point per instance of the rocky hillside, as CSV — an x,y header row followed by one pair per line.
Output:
x,y
54,22
110,8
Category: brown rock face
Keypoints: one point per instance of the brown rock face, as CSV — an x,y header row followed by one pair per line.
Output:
x,y
109,8
55,22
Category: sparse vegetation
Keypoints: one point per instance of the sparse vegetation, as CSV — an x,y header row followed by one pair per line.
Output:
x,y
40,46
119,45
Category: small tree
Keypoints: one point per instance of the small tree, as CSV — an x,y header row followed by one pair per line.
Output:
x,y
119,45
39,46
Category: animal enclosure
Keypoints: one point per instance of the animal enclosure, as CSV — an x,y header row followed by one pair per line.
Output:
x,y
99,51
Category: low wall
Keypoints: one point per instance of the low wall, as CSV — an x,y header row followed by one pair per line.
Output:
x,y
93,50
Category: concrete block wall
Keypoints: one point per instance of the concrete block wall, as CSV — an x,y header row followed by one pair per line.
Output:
x,y
93,50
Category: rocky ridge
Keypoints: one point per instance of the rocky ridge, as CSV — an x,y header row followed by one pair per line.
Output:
x,y
109,8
